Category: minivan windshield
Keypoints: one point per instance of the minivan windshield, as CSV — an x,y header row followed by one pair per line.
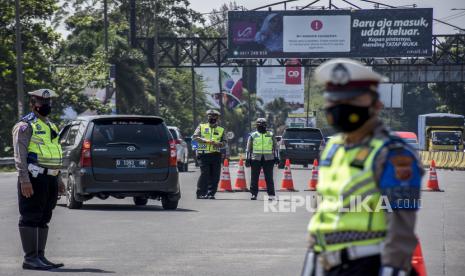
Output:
x,y
128,132
310,134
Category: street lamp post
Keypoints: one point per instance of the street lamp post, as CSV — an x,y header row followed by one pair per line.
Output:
x,y
19,62
155,61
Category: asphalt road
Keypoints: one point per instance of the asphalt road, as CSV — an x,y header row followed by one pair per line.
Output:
x,y
228,236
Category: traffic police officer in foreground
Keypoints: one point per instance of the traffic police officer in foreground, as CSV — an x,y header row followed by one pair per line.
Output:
x,y
261,152
369,182
210,140
38,158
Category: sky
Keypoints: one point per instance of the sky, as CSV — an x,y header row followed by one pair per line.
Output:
x,y
442,9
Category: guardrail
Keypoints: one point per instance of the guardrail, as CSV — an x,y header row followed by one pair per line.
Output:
x,y
7,161
453,160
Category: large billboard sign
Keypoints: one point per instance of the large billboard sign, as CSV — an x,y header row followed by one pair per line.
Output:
x,y
330,33
281,82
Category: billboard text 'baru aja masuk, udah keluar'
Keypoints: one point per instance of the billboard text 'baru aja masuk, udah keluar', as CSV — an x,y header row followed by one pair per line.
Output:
x,y
330,33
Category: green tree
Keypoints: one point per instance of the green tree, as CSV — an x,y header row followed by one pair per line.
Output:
x,y
38,43
134,75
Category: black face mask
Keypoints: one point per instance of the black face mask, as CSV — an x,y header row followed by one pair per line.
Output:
x,y
212,120
44,109
347,118
261,128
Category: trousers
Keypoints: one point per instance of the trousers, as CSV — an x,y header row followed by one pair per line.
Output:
x,y
36,211
210,170
256,167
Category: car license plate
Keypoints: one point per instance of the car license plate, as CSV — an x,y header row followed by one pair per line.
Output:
x,y
131,164
302,146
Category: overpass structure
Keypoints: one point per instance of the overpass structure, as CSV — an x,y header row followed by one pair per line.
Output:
x,y
447,63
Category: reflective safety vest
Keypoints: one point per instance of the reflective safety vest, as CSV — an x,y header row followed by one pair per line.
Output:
x,y
347,187
213,134
262,142
43,150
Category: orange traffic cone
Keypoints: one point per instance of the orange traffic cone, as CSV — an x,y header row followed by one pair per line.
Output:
x,y
418,263
261,181
225,180
241,184
433,185
287,184
314,180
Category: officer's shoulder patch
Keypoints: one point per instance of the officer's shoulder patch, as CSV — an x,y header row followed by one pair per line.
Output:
x,y
402,166
23,127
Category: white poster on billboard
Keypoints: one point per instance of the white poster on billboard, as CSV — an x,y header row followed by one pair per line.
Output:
x,y
391,94
92,93
231,85
281,82
316,33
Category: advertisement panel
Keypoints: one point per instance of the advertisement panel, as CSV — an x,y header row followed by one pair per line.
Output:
x,y
281,82
231,85
92,93
330,33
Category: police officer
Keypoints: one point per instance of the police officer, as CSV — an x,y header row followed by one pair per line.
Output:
x,y
210,140
369,183
261,152
38,156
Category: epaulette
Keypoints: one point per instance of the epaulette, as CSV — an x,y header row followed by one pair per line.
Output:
x,y
28,118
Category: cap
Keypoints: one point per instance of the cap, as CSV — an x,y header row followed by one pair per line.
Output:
x,y
213,112
346,78
43,93
260,121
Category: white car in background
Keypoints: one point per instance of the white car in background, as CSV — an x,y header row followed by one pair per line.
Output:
x,y
181,149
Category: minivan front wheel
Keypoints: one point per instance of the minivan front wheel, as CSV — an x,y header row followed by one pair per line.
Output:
x,y
169,203
71,201
140,201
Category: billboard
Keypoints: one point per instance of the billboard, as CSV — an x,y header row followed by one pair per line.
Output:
x,y
92,93
231,85
330,33
281,82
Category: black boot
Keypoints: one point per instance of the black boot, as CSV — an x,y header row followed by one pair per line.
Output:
x,y
30,241
43,234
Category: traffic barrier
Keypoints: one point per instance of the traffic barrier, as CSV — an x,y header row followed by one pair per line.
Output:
x,y
452,160
287,184
241,184
433,183
225,180
314,179
418,263
262,181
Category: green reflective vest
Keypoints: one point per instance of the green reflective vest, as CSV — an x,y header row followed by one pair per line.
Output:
x,y
213,134
346,179
47,150
262,142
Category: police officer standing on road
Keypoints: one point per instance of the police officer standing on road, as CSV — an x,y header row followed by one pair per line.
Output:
x,y
38,158
261,152
369,181
210,140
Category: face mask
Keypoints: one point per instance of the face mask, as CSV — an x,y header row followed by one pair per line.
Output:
x,y
347,118
44,109
261,129
212,121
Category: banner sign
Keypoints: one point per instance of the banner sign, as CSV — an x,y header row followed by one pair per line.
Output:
x,y
330,33
281,82
231,85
